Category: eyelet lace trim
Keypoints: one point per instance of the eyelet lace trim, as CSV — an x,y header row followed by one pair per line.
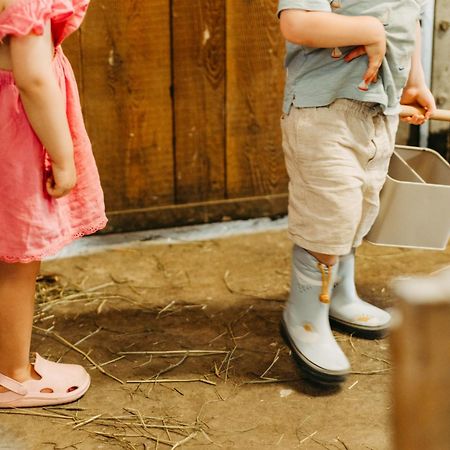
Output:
x,y
55,248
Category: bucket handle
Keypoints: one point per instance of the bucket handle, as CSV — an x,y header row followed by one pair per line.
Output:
x,y
440,114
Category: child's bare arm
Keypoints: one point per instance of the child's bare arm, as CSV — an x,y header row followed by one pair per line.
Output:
x,y
44,104
416,90
328,30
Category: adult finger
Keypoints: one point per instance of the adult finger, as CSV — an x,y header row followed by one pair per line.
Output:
x,y
374,78
415,119
369,77
372,70
355,53
418,120
430,108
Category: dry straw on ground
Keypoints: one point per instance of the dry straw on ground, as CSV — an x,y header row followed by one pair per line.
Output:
x,y
137,429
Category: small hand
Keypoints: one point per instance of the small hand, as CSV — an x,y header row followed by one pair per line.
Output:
x,y
418,96
61,180
375,53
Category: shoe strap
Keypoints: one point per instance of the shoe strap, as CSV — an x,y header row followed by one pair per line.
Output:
x,y
12,385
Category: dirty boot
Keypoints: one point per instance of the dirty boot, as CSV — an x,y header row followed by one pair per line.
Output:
x,y
306,323
349,311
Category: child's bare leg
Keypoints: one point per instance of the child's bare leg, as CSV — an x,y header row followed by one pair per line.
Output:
x,y
58,383
17,290
329,260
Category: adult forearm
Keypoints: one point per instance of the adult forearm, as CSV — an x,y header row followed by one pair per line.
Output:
x,y
45,108
416,74
328,30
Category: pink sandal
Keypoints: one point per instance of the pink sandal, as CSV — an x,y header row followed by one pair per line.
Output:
x,y
67,383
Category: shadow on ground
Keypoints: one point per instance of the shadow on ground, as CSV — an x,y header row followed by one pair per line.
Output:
x,y
238,387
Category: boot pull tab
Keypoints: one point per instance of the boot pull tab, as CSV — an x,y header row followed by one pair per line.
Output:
x,y
325,270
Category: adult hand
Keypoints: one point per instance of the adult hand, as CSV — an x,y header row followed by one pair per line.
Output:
x,y
419,96
375,53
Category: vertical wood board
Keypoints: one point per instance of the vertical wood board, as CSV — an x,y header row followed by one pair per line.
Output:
x,y
421,382
199,89
255,81
128,108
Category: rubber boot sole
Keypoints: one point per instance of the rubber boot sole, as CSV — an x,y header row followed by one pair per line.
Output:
x,y
360,330
313,372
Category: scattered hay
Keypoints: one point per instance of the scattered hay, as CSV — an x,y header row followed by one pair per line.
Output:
x,y
53,290
127,430
134,429
260,294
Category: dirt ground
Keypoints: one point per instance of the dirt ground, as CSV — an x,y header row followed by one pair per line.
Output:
x,y
238,388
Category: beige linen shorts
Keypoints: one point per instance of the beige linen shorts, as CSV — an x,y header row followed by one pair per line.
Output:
x,y
337,158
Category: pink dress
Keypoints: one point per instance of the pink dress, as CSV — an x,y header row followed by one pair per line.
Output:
x,y
34,225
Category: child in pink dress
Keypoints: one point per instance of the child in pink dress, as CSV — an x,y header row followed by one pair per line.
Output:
x,y
49,186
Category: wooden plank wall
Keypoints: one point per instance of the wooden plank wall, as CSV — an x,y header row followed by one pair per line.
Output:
x,y
254,93
182,102
126,73
199,98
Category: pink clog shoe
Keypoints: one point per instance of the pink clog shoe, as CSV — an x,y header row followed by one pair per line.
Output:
x,y
67,383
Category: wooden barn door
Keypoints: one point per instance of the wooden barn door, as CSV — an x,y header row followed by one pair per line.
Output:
x,y
182,100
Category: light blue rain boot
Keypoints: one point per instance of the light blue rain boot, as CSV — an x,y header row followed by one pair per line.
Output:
x,y
349,310
306,324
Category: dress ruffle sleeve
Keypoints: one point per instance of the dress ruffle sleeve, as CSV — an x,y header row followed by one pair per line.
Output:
x,y
25,17
79,8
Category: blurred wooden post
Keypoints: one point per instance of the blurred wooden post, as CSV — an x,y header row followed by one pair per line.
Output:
x,y
421,355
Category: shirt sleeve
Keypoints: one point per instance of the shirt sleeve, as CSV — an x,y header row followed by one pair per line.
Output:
x,y
307,5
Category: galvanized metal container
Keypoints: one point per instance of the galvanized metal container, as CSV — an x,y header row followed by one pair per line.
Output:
x,y
415,201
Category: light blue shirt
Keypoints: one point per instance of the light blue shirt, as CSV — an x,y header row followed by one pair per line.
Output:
x,y
318,76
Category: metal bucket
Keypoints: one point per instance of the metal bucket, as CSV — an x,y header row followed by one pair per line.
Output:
x,y
414,202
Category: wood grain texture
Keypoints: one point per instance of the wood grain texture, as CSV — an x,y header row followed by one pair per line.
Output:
x,y
165,84
421,381
197,213
255,80
128,107
199,87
